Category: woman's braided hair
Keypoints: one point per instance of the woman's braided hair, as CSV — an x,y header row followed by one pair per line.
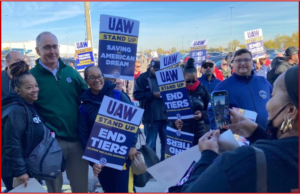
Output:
x,y
18,71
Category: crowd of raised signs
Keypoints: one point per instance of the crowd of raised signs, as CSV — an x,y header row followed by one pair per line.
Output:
x,y
53,120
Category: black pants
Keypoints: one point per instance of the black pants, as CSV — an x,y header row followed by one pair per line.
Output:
x,y
117,181
8,182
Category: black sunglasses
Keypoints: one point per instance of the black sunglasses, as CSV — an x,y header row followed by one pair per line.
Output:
x,y
190,81
210,65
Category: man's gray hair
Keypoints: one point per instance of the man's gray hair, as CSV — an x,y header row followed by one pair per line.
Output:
x,y
38,38
8,57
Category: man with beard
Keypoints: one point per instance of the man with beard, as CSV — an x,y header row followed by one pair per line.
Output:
x,y
281,64
208,79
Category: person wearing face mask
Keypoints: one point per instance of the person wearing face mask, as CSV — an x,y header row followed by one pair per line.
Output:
x,y
199,98
111,180
18,140
208,79
245,89
269,164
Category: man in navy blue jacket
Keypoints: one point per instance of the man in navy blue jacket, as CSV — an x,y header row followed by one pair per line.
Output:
x,y
245,89
208,79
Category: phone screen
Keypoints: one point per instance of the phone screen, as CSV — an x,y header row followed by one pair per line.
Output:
x,y
221,109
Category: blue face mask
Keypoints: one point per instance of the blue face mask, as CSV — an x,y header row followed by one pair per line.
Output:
x,y
271,130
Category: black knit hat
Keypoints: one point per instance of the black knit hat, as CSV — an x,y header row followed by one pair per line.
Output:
x,y
155,63
292,84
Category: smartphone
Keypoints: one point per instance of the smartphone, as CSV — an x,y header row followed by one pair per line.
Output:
x,y
220,106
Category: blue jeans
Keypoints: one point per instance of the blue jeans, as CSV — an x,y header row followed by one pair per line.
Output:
x,y
151,131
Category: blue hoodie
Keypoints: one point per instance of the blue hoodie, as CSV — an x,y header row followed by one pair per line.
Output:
x,y
246,92
210,85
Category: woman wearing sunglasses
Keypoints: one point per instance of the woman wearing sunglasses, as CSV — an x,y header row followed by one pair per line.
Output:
x,y
199,99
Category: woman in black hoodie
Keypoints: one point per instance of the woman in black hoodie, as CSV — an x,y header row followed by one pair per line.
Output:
x,y
199,99
270,164
111,180
18,140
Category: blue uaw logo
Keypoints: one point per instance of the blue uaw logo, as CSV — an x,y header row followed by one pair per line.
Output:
x,y
117,74
103,161
263,94
178,116
69,80
178,133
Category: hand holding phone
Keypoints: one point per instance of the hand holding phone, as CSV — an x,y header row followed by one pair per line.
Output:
x,y
220,105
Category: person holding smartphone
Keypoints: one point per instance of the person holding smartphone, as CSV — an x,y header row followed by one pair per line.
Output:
x,y
245,89
243,170
199,98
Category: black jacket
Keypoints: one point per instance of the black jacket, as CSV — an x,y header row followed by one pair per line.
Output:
x,y
18,140
89,108
278,66
6,86
235,171
199,100
144,87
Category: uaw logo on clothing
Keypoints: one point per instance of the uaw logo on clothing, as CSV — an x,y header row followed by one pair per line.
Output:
x,y
263,94
37,119
69,80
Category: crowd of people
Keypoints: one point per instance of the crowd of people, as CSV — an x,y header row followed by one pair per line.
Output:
x,y
67,104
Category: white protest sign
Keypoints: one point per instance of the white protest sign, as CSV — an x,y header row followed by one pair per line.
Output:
x,y
33,186
255,43
198,51
170,60
171,170
118,38
154,54
119,25
174,93
227,142
113,132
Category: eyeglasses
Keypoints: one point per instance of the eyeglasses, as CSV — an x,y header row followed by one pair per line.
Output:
x,y
138,66
242,60
48,47
205,66
224,64
95,78
190,81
